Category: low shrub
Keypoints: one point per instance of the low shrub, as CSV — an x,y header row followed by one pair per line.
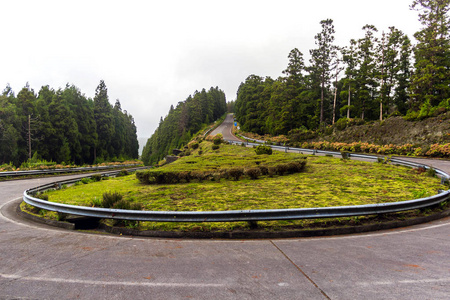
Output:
x,y
261,149
218,139
345,155
199,175
109,199
431,172
86,180
264,170
194,146
253,173
123,172
235,173
295,166
215,147
42,196
96,177
281,169
124,204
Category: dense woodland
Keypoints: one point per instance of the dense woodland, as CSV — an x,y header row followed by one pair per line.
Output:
x,y
64,126
182,122
376,75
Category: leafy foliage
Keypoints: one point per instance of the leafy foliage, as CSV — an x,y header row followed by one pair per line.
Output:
x,y
64,126
261,149
182,122
379,81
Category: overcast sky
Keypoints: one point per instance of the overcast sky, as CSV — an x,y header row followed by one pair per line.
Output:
x,y
152,54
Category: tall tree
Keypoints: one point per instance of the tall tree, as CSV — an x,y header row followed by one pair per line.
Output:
x,y
321,59
104,121
431,79
349,56
367,72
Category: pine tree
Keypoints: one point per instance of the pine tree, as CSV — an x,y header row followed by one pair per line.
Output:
x,y
430,83
321,60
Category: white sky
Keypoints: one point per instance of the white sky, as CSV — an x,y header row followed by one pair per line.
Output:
x,y
152,54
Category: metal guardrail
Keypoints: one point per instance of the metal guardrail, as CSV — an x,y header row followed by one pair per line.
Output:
x,y
242,215
58,171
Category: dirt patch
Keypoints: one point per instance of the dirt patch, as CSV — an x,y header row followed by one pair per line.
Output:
x,y
397,131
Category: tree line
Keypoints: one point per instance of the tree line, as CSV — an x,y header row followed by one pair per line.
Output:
x,y
375,76
182,122
64,126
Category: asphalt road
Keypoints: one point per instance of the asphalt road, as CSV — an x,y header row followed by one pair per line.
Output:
x,y
225,129
39,262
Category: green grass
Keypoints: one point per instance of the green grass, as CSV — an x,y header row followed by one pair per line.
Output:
x,y
326,182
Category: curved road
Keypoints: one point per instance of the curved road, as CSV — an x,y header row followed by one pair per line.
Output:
x,y
39,262
225,129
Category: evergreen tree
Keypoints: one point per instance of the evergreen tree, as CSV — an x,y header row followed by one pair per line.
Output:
x,y
430,83
322,60
104,121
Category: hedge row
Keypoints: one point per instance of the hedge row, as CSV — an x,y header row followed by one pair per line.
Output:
x,y
169,177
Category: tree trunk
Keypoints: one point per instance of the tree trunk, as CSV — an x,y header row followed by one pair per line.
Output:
x,y
321,101
348,103
29,137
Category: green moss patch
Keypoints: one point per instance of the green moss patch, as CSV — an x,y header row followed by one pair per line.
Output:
x,y
325,182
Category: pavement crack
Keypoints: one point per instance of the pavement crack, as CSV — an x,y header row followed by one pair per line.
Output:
x,y
301,271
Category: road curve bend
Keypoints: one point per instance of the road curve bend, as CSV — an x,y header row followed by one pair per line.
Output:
x,y
39,262
226,129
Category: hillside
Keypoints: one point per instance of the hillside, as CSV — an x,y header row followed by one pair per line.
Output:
x,y
397,131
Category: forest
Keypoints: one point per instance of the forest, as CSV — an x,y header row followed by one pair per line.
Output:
x,y
183,121
64,126
375,76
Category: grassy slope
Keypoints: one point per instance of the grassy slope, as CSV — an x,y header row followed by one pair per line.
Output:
x,y
326,182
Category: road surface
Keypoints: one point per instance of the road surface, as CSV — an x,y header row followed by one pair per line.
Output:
x,y
225,129
39,262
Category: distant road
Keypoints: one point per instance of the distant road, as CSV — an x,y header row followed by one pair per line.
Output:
x,y
225,129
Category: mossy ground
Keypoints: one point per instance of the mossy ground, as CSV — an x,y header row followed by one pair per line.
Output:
x,y
326,182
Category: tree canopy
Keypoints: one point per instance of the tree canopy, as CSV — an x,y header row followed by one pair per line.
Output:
x,y
64,126
380,78
183,121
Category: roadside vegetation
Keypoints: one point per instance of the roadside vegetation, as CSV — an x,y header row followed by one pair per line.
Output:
x,y
325,181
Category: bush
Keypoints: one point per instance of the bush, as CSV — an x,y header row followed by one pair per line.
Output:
x,y
281,169
109,199
199,175
186,176
123,172
431,172
235,173
218,139
86,180
341,124
185,153
215,147
272,170
295,166
345,155
96,177
42,196
253,173
264,170
261,149
124,204
194,146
